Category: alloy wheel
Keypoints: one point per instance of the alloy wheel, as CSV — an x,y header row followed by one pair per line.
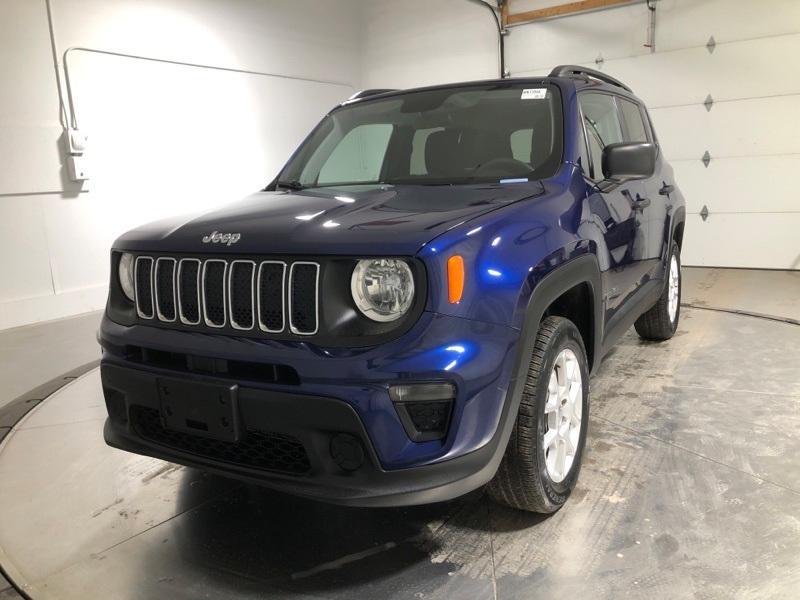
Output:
x,y
563,415
674,288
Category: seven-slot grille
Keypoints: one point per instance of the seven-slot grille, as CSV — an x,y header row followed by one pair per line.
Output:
x,y
247,295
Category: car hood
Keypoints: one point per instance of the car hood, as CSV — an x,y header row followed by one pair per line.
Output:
x,y
394,220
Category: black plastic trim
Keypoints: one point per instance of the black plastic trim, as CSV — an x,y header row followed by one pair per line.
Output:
x,y
423,436
642,300
581,270
575,70
371,92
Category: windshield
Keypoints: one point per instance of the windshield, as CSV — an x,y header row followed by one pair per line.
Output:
x,y
476,134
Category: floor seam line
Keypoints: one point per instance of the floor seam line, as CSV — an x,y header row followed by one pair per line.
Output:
x,y
735,390
702,456
64,424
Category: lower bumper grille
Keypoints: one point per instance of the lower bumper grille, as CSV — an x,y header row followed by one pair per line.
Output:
x,y
259,449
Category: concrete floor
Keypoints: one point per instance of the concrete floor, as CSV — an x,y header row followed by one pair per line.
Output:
x,y
775,293
690,488
34,354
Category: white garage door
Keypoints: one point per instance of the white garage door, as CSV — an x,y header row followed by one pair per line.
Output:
x,y
751,132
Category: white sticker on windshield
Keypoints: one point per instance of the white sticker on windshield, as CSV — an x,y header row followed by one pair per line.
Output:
x,y
534,94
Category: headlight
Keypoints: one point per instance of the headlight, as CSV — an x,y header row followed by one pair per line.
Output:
x,y
125,273
383,288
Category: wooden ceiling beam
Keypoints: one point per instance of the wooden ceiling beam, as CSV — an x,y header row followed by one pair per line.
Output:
x,y
559,10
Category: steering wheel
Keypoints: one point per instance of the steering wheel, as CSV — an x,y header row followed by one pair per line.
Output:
x,y
503,167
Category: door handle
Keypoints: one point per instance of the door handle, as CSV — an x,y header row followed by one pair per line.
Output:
x,y
666,189
641,202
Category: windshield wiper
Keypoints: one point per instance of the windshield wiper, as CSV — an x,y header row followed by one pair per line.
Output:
x,y
290,185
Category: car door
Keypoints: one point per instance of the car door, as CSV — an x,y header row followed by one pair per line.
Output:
x,y
615,211
651,205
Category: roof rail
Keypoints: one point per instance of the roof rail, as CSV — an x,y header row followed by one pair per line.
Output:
x,y
573,70
373,92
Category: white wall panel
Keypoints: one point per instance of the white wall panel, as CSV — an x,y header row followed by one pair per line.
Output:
x,y
577,39
752,240
171,136
29,157
687,23
416,42
301,38
25,260
163,139
621,32
752,127
743,69
50,306
765,184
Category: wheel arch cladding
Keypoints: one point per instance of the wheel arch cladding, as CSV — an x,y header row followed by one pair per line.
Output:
x,y
677,232
576,304
573,291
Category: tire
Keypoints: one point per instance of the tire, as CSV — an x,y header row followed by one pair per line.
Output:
x,y
659,323
524,479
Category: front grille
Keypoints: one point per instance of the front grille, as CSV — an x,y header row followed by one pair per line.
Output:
x,y
214,272
270,287
303,278
189,284
240,294
165,289
259,449
144,287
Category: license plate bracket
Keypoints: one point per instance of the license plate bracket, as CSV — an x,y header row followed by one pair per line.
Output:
x,y
199,408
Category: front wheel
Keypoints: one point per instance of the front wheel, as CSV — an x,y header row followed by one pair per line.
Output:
x,y
540,466
661,321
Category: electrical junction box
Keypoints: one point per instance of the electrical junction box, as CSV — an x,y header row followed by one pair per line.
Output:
x,y
78,168
76,163
77,141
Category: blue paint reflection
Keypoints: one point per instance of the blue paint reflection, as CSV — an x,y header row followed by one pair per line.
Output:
x,y
446,357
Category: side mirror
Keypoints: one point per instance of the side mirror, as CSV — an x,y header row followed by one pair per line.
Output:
x,y
628,160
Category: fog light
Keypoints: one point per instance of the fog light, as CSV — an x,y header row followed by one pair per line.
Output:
x,y
347,451
424,408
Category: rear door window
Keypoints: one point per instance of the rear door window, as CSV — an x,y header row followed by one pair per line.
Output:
x,y
634,123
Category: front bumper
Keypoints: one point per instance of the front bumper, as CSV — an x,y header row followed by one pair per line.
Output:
x,y
311,420
339,392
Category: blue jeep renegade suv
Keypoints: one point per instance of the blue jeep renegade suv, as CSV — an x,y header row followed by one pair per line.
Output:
x,y
412,309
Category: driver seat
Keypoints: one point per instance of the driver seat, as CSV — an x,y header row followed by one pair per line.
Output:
x,y
457,153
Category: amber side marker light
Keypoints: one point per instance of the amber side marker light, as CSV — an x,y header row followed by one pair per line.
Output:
x,y
455,278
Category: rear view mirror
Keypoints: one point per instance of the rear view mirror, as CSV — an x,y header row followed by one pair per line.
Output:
x,y
626,161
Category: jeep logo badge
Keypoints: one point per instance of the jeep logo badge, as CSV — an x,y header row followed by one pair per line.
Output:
x,y
222,238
